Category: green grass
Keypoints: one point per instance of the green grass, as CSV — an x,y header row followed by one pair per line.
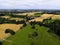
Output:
x,y
43,38
49,21
38,14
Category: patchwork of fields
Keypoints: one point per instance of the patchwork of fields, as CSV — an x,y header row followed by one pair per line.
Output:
x,y
22,37
3,27
46,16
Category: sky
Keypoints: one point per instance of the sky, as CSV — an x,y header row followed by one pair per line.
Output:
x,y
29,4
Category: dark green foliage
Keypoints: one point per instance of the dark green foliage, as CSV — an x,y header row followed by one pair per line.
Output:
x,y
2,14
39,23
24,25
21,27
35,34
29,18
2,20
32,43
18,16
55,27
13,21
33,27
32,22
1,43
10,31
20,22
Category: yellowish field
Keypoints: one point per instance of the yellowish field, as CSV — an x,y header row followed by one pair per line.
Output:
x,y
42,17
5,16
46,16
3,27
15,27
57,17
17,19
29,14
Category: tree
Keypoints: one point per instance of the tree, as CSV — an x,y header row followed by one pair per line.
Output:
x,y
24,24
55,27
33,27
20,22
1,43
2,20
10,31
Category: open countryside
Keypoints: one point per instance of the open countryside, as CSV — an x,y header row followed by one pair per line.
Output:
x,y
30,28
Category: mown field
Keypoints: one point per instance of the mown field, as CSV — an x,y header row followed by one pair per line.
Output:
x,y
37,14
22,37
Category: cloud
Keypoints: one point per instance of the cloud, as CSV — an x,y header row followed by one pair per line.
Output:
x,y
29,4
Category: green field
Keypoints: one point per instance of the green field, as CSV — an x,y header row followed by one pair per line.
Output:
x,y
37,14
22,37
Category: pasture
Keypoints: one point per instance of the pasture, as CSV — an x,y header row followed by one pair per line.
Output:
x,y
22,37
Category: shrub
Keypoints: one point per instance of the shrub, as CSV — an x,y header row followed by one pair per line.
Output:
x,y
32,43
33,27
20,22
0,43
35,34
24,24
10,31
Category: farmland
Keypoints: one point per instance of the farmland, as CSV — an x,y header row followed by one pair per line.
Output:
x,y
3,27
43,38
29,29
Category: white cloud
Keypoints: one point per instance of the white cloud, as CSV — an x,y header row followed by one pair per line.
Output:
x,y
33,4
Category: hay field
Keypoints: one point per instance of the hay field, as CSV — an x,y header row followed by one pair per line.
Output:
x,y
3,27
57,17
24,14
21,14
5,16
42,17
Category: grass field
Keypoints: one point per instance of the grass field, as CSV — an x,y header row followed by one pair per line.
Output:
x,y
3,28
43,38
38,14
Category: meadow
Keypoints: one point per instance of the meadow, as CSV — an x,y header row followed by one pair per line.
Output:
x,y
22,37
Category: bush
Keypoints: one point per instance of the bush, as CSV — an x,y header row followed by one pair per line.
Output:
x,y
20,22
21,27
35,34
2,20
24,24
0,43
10,31
58,32
32,43
33,27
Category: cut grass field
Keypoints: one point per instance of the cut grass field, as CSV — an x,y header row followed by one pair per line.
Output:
x,y
43,38
37,14
3,28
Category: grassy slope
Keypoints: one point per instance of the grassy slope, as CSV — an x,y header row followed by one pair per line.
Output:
x,y
38,14
44,38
